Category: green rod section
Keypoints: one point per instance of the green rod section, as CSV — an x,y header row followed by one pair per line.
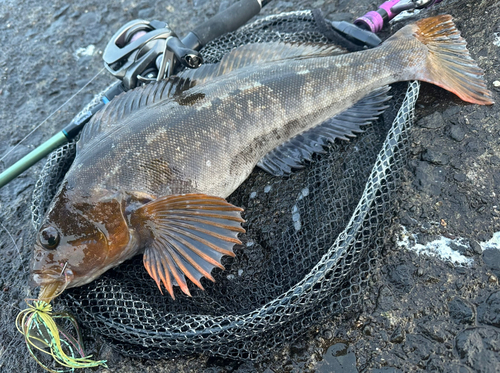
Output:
x,y
30,159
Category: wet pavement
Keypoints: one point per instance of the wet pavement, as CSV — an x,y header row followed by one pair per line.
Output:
x,y
421,311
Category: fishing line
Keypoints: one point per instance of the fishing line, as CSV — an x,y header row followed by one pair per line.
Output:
x,y
56,110
13,241
7,304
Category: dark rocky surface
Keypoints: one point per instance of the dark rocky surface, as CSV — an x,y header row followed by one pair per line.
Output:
x,y
419,313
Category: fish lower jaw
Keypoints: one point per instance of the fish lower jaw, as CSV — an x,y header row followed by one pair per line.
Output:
x,y
51,290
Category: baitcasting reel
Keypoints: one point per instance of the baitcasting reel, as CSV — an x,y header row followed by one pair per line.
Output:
x,y
142,51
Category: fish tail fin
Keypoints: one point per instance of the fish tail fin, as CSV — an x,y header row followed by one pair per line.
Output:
x,y
449,64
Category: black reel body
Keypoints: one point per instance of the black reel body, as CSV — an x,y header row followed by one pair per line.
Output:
x,y
143,51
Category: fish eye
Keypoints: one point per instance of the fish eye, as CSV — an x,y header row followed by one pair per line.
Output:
x,y
49,237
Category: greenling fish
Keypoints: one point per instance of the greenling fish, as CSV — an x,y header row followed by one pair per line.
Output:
x,y
152,170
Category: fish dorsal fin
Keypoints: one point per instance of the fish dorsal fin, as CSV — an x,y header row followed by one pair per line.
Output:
x,y
128,102
258,53
246,55
187,235
291,155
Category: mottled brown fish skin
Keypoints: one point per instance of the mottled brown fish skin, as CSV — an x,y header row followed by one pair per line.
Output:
x,y
226,126
208,139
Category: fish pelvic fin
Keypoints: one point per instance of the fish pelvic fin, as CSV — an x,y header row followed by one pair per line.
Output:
x,y
449,64
186,236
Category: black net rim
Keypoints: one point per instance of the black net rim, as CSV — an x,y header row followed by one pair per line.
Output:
x,y
345,242
220,335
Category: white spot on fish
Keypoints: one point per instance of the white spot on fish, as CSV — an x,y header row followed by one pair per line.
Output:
x,y
253,195
267,189
223,97
254,84
205,105
303,72
208,163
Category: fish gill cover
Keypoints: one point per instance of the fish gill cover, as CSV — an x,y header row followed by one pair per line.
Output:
x,y
310,243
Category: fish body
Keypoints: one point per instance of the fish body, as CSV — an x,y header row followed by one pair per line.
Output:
x,y
153,179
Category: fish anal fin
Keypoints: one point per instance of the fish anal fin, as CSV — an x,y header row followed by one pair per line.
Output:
x,y
291,155
186,236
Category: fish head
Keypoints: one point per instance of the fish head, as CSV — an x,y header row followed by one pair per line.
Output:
x,y
81,238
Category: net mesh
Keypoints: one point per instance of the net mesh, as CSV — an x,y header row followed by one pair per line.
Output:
x,y
310,243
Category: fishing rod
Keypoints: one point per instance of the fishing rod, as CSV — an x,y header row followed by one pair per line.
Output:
x,y
374,21
142,52
364,29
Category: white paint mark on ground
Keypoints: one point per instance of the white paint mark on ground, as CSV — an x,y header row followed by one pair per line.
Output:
x,y
82,52
295,210
438,248
297,225
296,218
493,243
496,42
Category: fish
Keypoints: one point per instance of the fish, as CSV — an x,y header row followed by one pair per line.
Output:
x,y
154,168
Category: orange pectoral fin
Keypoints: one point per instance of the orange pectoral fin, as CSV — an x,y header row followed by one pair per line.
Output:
x,y
189,235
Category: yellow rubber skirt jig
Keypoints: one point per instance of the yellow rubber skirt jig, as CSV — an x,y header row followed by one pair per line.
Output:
x,y
41,333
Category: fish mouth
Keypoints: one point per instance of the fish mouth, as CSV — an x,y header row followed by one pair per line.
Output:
x,y
52,283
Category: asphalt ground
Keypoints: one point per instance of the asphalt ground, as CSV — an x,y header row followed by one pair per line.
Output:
x,y
420,312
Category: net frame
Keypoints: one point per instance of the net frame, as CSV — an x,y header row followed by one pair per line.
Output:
x,y
332,285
